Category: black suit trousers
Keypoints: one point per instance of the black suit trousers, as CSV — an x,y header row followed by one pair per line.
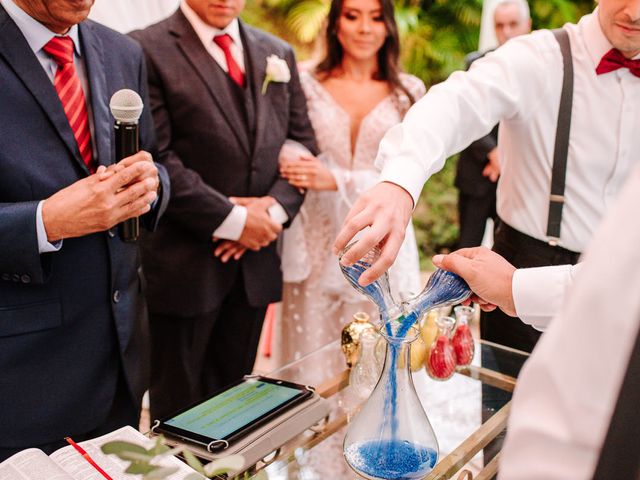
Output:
x,y
193,357
474,212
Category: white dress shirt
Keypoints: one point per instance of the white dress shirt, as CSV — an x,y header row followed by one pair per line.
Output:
x,y
567,390
519,85
232,226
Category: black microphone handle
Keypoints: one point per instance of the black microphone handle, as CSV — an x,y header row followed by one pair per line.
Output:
x,y
126,145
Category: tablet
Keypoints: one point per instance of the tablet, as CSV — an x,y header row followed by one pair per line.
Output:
x,y
233,412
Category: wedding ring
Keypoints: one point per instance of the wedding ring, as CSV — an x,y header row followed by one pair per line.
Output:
x,y
303,178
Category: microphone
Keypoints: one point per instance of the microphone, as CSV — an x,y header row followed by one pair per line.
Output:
x,y
126,107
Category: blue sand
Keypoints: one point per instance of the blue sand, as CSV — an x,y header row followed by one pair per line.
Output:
x,y
391,459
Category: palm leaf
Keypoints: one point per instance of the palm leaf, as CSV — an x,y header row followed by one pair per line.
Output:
x,y
306,18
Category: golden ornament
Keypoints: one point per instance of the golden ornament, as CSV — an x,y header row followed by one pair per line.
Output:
x,y
350,338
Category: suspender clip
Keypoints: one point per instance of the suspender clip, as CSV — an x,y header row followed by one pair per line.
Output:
x,y
553,241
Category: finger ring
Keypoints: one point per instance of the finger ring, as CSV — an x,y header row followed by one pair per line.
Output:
x,y
303,178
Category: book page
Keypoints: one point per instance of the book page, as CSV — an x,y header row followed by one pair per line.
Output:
x,y
31,464
79,469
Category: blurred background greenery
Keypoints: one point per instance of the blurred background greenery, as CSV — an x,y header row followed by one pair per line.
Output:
x,y
436,35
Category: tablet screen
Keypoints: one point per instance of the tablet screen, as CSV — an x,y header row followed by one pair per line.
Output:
x,y
234,409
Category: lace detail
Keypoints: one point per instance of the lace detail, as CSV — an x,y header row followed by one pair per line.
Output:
x,y
315,310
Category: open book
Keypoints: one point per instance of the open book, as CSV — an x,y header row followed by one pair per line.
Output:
x,y
67,464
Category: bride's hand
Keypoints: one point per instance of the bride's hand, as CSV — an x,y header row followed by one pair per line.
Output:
x,y
308,173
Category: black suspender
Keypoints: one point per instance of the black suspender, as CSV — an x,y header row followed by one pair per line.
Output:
x,y
620,454
561,150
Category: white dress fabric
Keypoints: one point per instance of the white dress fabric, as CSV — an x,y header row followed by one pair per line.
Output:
x,y
317,300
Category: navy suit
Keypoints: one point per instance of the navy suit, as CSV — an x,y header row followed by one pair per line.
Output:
x,y
73,322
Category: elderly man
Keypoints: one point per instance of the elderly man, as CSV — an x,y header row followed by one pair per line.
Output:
x,y
72,315
478,167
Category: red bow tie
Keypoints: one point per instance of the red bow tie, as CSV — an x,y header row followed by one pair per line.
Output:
x,y
614,59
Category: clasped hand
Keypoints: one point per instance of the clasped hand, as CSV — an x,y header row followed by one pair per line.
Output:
x,y
259,230
102,200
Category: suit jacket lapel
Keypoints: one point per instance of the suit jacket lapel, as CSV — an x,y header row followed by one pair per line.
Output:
x,y
15,49
94,62
257,57
211,74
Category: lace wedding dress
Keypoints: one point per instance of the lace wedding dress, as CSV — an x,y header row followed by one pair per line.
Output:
x,y
317,301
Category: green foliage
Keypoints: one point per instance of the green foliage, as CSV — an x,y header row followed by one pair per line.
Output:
x,y
141,461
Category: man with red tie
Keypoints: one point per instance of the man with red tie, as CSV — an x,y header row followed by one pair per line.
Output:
x,y
72,315
568,106
225,97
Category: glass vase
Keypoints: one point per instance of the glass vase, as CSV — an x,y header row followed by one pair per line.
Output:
x,y
366,371
391,437
441,364
462,338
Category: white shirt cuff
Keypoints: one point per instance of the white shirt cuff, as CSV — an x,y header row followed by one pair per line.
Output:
x,y
43,243
232,226
539,293
278,213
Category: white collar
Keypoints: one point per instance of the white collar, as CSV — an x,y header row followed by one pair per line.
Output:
x,y
206,32
36,34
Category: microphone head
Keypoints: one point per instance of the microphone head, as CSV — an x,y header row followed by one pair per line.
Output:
x,y
126,106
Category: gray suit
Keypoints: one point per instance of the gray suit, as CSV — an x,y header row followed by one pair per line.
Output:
x,y
216,140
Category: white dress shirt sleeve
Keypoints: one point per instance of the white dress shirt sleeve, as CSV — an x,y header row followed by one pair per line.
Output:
x,y
464,108
232,226
278,213
43,243
539,293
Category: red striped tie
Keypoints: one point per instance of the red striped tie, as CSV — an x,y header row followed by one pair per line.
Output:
x,y
69,90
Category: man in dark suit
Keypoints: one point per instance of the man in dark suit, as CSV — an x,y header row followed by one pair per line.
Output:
x,y
478,165
221,120
72,315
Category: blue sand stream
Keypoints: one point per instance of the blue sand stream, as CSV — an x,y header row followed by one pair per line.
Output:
x,y
392,458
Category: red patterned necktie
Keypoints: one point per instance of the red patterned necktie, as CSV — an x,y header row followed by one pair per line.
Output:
x,y
224,42
614,59
67,84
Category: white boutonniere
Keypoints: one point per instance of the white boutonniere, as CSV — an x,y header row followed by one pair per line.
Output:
x,y
277,71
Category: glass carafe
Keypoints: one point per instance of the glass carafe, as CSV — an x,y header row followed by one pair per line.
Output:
x,y
366,372
441,363
462,339
379,291
442,289
391,437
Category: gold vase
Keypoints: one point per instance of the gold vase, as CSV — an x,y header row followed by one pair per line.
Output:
x,y
350,338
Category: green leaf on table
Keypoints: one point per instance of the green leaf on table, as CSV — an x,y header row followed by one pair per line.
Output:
x,y
193,476
193,462
126,451
161,473
141,468
159,448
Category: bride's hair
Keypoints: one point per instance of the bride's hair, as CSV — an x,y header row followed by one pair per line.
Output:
x,y
388,55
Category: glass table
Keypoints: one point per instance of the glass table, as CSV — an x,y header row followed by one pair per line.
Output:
x,y
463,423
